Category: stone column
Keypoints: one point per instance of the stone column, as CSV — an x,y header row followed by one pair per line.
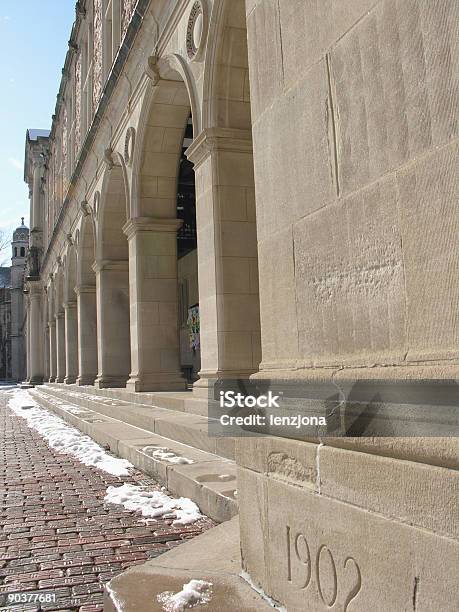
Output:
x,y
35,339
113,342
27,341
71,342
47,373
60,347
52,351
227,254
87,334
155,354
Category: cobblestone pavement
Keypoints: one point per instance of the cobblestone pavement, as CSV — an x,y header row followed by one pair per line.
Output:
x,y
56,534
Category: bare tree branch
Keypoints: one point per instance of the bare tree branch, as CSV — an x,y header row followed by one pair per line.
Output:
x,y
5,242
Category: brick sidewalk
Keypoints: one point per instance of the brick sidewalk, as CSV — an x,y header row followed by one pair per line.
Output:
x,y
56,532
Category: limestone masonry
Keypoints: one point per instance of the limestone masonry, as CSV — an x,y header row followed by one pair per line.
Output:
x,y
267,191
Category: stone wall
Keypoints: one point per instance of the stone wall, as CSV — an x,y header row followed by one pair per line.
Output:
x,y
355,133
354,110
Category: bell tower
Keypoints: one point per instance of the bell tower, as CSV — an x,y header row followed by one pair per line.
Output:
x,y
19,251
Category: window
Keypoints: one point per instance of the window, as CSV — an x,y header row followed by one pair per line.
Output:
x,y
15,251
22,251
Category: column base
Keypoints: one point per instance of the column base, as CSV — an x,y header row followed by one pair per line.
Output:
x,y
52,379
206,381
110,382
36,380
157,382
70,380
59,379
85,380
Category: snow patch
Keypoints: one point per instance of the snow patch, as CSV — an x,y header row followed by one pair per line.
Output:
x,y
165,454
153,504
64,438
193,593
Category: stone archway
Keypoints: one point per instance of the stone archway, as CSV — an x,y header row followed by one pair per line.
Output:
x,y
86,303
226,216
112,283
71,318
152,235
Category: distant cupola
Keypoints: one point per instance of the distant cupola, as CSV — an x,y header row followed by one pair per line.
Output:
x,y
20,243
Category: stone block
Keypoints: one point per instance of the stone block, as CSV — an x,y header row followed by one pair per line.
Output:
x,y
429,228
410,492
349,279
312,552
294,154
393,94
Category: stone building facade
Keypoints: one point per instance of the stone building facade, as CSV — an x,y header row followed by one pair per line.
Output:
x,y
12,311
280,175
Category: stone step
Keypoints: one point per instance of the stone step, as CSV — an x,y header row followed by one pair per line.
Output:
x,y
184,427
213,556
180,401
208,479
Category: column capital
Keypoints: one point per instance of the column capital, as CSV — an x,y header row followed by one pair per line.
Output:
x,y
70,305
59,315
35,288
110,264
52,323
85,289
150,224
218,139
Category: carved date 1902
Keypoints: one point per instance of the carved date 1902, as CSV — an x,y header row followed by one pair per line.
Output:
x,y
299,557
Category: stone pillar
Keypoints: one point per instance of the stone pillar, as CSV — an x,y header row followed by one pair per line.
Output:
x,y
71,342
227,254
52,351
60,347
113,342
87,334
155,355
27,341
47,373
35,336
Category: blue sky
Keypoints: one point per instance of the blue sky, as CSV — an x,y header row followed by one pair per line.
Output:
x,y
33,44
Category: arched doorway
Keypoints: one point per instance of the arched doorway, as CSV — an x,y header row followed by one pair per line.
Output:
x,y
112,282
158,248
187,255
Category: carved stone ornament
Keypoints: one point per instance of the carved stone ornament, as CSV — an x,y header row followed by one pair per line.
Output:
x,y
152,70
69,239
129,143
84,207
196,30
108,158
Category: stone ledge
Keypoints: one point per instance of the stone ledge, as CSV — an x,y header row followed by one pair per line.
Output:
x,y
214,556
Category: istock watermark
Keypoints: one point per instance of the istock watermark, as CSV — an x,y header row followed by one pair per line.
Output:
x,y
304,409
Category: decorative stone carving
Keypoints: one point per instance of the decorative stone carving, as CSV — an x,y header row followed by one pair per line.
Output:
x,y
129,145
64,144
108,158
85,209
77,104
196,30
126,14
152,70
97,60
